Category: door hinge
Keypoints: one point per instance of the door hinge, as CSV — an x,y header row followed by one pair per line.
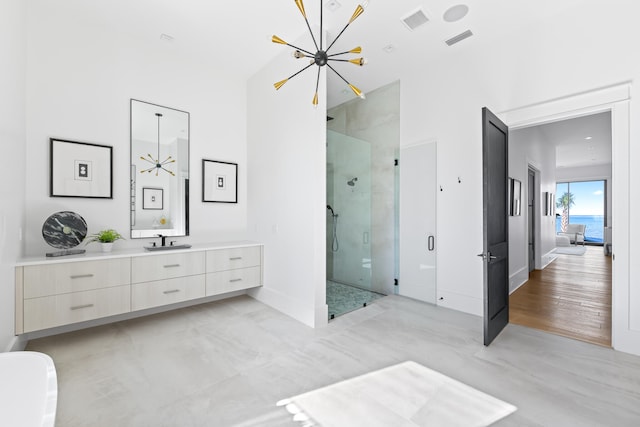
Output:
x,y
395,162
395,282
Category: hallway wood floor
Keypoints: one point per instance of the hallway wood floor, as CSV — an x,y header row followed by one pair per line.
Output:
x,y
570,297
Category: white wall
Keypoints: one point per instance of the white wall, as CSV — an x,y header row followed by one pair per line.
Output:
x,y
286,146
80,79
529,147
12,175
442,97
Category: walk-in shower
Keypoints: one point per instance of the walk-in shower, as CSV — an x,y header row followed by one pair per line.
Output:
x,y
348,224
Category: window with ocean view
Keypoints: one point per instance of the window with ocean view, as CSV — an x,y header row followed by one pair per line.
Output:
x,y
582,203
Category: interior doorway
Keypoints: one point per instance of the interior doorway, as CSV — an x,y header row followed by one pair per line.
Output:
x,y
570,294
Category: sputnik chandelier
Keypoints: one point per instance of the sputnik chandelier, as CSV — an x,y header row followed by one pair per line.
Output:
x,y
322,56
157,164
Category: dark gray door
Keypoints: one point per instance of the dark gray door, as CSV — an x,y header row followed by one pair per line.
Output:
x,y
531,219
495,139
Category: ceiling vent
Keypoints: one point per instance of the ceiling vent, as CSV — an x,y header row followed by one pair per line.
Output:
x,y
455,39
415,20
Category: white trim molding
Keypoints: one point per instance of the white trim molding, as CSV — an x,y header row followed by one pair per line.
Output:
x,y
616,99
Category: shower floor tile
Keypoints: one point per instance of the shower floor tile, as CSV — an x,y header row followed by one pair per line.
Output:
x,y
342,298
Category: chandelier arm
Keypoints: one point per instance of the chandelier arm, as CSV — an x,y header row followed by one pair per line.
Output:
x,y
311,32
321,8
337,37
301,50
339,60
336,54
295,74
339,75
318,80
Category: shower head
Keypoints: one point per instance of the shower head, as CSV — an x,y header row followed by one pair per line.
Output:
x,y
352,182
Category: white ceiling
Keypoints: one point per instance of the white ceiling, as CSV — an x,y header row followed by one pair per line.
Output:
x,y
583,141
236,35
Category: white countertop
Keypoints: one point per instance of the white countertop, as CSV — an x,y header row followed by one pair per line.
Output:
x,y
131,252
28,390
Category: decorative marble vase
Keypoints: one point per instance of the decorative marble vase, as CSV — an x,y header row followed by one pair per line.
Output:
x,y
106,247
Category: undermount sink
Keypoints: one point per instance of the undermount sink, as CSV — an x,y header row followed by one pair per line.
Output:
x,y
166,248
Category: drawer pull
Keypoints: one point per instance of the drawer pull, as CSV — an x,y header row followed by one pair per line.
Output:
x,y
171,265
78,307
235,258
81,276
172,291
235,280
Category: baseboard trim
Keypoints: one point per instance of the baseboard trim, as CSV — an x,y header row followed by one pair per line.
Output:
x,y
518,279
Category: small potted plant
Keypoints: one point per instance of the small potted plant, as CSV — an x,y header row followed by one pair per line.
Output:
x,y
106,238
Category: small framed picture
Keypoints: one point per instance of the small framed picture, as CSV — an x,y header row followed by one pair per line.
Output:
x,y
152,198
80,169
219,181
516,197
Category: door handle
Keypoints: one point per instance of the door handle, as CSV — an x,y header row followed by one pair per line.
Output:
x,y
488,254
431,243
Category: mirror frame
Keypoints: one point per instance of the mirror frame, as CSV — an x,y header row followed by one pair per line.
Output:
x,y
135,200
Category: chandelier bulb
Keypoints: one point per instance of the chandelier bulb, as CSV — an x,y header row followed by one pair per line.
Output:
x,y
297,54
364,4
358,61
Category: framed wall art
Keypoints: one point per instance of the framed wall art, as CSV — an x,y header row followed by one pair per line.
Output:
x,y
219,181
516,194
80,169
152,198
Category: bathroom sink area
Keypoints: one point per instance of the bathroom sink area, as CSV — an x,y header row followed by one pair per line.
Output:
x,y
28,390
166,248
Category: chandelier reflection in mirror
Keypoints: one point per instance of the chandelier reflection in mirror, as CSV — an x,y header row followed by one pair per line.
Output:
x,y
157,164
322,56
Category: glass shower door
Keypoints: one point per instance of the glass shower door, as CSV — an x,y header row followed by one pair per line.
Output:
x,y
348,210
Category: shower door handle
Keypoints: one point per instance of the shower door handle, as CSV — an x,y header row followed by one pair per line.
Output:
x,y
431,243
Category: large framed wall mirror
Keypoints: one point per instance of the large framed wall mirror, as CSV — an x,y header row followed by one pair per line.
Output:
x,y
159,161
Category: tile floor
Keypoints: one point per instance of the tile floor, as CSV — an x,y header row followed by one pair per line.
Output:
x,y
227,363
343,298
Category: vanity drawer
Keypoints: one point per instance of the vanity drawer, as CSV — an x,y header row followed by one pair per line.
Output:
x,y
163,292
166,266
53,279
233,280
228,259
57,310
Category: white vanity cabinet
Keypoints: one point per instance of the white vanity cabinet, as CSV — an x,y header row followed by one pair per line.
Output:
x,y
167,279
52,292
233,269
59,294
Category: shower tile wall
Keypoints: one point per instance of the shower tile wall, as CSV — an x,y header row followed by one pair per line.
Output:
x,y
376,121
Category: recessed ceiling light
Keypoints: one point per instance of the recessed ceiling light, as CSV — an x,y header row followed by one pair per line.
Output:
x,y
332,5
589,137
166,37
345,92
456,13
